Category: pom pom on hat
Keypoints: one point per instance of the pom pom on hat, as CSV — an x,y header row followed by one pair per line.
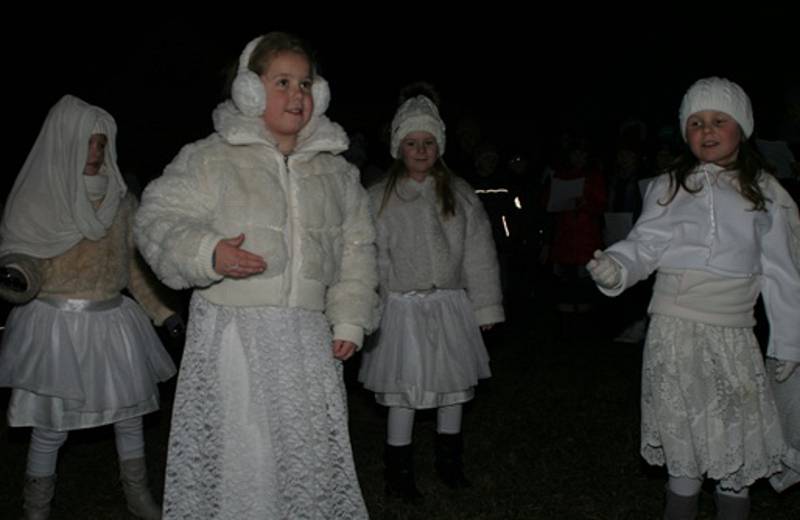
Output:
x,y
721,95
417,114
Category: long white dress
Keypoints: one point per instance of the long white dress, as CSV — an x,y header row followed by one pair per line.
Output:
x,y
259,427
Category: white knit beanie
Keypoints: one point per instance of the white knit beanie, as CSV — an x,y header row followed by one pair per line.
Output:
x,y
720,95
417,114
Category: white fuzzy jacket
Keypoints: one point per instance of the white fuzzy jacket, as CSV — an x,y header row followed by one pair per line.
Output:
x,y
420,249
92,269
716,230
306,214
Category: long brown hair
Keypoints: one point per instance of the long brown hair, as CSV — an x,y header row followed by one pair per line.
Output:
x,y
441,175
748,166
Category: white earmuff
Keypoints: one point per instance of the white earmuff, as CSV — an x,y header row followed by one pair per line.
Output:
x,y
321,94
247,91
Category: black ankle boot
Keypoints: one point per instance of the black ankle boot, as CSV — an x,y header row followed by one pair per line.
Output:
x,y
449,465
399,473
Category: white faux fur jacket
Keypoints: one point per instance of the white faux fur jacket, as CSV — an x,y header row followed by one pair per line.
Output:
x,y
420,249
306,214
92,269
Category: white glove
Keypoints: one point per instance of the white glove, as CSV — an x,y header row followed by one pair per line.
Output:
x,y
784,369
605,271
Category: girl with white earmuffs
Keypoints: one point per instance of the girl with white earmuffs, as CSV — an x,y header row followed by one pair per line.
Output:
x,y
270,226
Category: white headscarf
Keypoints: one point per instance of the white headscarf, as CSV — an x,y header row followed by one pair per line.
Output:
x,y
48,210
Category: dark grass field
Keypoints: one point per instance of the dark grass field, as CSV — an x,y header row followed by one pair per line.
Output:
x,y
553,435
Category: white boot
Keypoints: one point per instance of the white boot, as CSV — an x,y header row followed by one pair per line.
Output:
x,y
37,494
133,475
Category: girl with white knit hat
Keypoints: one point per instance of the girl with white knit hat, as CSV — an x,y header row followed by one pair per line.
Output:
x,y
440,285
719,230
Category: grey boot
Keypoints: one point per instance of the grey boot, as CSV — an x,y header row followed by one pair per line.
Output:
x,y
37,494
680,507
730,507
133,475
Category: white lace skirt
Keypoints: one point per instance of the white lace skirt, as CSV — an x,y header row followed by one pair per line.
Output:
x,y
787,400
707,408
259,426
79,363
429,351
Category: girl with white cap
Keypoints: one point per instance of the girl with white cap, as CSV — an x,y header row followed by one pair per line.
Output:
x,y
270,225
78,353
719,230
440,285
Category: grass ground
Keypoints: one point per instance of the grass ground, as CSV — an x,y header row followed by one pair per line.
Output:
x,y
552,435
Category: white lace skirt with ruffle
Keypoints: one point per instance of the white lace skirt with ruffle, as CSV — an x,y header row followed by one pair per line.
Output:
x,y
707,408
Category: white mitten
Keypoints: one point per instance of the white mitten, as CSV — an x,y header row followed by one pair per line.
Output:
x,y
784,369
605,271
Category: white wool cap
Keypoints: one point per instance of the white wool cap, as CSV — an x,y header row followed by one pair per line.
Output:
x,y
721,95
417,114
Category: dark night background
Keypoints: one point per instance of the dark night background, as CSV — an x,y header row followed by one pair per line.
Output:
x,y
554,433
524,76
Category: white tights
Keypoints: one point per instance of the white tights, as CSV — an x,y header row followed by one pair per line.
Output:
x,y
400,427
43,451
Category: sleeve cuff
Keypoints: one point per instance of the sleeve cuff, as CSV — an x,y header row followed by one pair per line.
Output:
x,y
204,255
490,315
347,332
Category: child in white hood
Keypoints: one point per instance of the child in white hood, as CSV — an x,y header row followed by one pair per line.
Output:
x,y
269,224
440,283
77,353
718,228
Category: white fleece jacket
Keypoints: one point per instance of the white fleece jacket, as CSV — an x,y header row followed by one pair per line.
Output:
x,y
420,249
306,214
715,230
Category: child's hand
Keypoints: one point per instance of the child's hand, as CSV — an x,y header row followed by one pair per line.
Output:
x,y
605,271
343,349
230,260
784,369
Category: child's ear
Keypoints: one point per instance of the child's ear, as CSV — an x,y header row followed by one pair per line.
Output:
x,y
321,94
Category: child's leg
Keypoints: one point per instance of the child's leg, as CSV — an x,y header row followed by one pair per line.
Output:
x,y
398,456
40,474
132,469
43,452
685,486
400,426
732,505
449,447
448,419
682,496
130,438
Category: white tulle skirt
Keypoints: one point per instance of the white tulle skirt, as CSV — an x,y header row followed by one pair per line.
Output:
x,y
79,363
429,351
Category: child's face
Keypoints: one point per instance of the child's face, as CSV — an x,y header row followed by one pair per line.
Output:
x,y
97,154
287,81
713,137
419,152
